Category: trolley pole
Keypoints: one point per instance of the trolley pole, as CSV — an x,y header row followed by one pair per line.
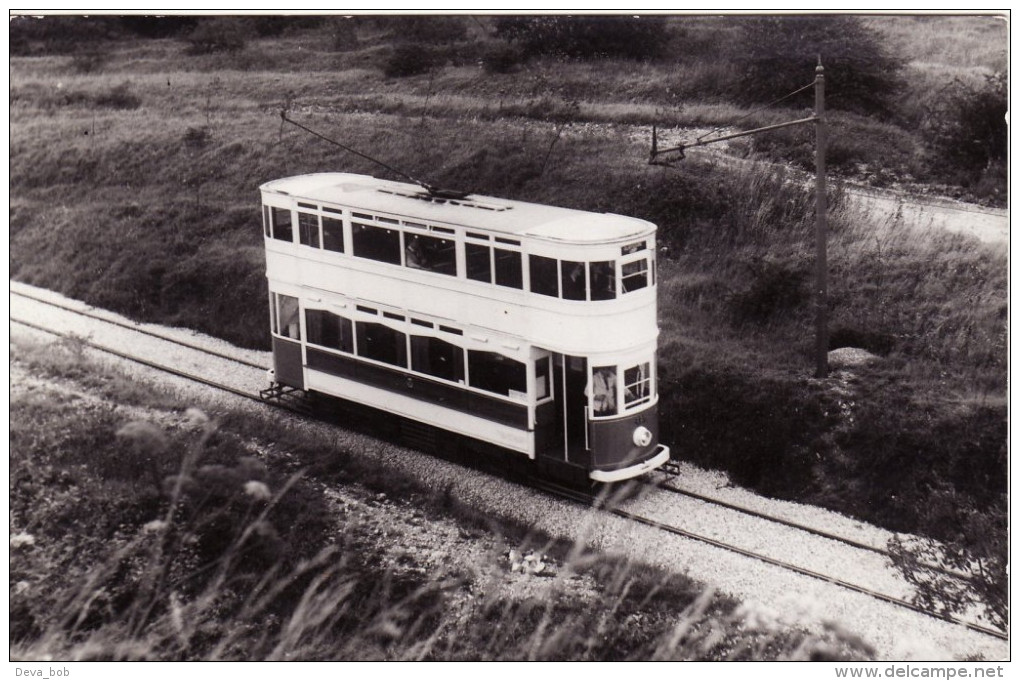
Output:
x,y
821,232
669,157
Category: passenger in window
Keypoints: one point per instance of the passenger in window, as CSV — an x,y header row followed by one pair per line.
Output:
x,y
603,391
415,254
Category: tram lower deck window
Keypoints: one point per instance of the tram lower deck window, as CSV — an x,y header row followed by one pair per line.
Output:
x,y
381,343
436,357
329,330
603,391
637,384
495,373
288,316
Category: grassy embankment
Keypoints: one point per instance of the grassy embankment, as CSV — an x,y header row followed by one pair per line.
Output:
x,y
146,531
153,213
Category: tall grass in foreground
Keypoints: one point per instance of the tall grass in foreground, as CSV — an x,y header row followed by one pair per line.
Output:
x,y
194,539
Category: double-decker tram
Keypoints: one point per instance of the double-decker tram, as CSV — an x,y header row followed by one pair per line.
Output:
x,y
517,327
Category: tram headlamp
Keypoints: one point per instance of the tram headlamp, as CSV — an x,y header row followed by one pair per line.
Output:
x,y
642,436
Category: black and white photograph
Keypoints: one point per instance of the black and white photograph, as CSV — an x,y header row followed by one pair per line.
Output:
x,y
505,336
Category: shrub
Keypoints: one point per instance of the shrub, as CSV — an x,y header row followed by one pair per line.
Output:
x,y
587,37
501,57
410,60
967,132
119,97
426,29
778,55
220,34
777,285
89,62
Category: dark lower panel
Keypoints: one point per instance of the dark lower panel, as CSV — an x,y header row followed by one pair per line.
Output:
x,y
287,363
434,392
612,442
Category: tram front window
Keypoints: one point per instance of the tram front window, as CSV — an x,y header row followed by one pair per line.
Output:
x,y
603,391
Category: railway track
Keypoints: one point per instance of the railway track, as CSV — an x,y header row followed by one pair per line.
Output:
x,y
544,486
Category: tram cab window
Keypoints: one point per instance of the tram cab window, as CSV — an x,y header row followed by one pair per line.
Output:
x,y
333,234
430,253
543,275
436,357
308,229
635,275
497,374
282,227
637,382
602,391
603,279
376,243
572,280
381,343
329,330
289,316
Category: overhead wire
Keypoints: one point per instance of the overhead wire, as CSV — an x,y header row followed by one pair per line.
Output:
x,y
758,110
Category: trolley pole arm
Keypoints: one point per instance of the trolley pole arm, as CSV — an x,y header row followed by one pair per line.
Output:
x,y
701,143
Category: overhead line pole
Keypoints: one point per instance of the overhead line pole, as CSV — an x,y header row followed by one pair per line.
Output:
x,y
821,208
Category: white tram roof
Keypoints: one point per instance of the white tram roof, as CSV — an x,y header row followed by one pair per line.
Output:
x,y
519,218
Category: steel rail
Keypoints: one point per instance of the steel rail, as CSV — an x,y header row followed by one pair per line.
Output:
x,y
571,495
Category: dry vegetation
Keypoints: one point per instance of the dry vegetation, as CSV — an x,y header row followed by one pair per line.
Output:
x,y
134,178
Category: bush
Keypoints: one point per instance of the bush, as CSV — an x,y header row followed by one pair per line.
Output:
x,y
502,57
426,29
220,34
410,60
119,97
587,37
779,54
967,132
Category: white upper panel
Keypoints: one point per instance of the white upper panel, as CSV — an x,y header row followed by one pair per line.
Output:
x,y
474,211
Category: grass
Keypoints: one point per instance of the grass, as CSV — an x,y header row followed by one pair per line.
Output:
x,y
141,530
172,183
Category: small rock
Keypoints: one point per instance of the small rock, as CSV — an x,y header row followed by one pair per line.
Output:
x,y
850,357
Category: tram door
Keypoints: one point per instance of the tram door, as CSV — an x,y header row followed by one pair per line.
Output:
x,y
571,376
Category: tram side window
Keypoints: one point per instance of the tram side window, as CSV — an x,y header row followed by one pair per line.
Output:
x,y
479,265
543,275
542,378
376,243
431,253
282,227
635,275
381,343
436,357
637,382
333,234
265,220
329,330
603,391
603,279
509,268
308,229
290,323
572,280
492,372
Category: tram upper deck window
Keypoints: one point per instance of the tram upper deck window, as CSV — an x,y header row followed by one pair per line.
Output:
x,y
381,343
376,243
436,357
603,279
282,227
333,234
509,268
430,253
635,275
495,373
499,266
308,229
572,282
478,259
543,275
329,330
